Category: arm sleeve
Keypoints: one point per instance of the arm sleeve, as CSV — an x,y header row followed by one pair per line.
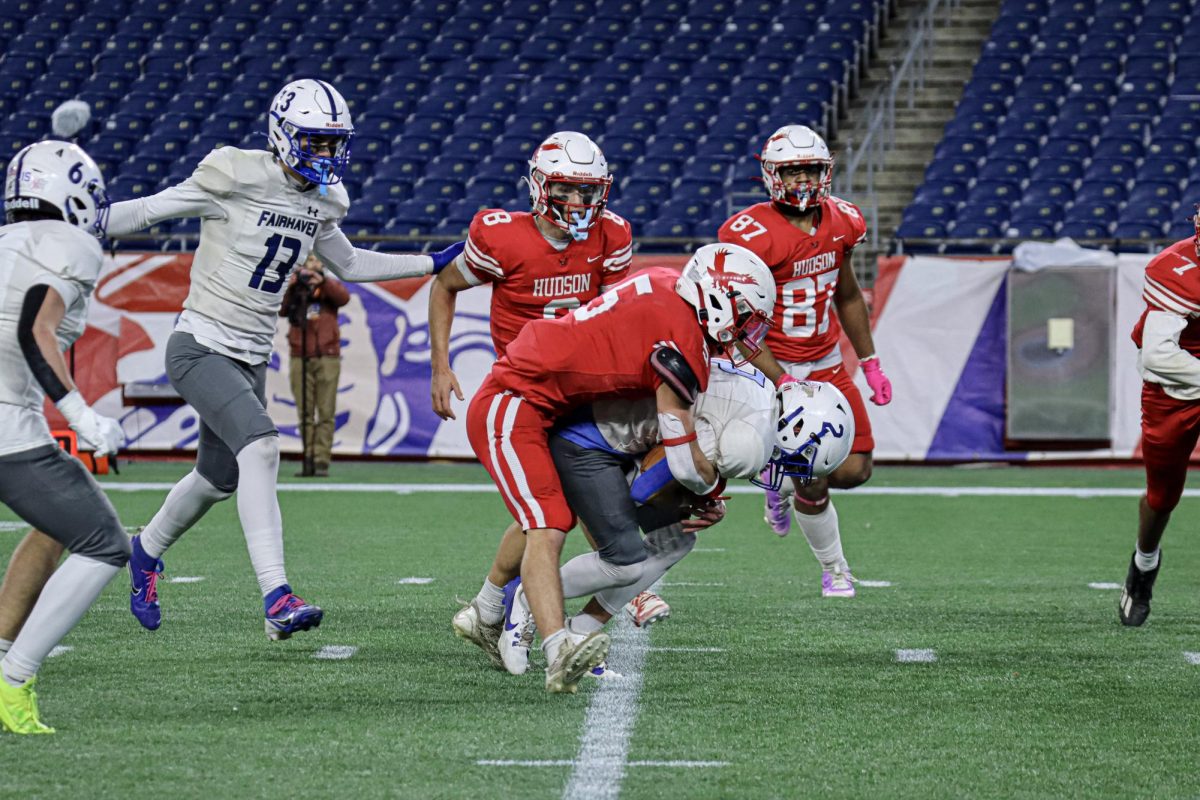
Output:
x,y
41,369
1161,354
184,200
618,259
354,264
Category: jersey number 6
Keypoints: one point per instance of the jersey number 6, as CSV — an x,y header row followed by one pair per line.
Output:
x,y
293,245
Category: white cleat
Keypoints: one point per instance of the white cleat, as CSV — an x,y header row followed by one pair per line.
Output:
x,y
646,609
574,660
601,672
516,637
839,583
470,626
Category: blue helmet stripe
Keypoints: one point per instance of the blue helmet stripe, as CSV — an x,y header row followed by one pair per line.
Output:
x,y
332,102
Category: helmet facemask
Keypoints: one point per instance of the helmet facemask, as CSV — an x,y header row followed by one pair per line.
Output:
x,y
306,151
77,211
570,204
1196,221
802,196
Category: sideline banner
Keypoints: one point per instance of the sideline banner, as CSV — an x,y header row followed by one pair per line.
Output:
x,y
383,397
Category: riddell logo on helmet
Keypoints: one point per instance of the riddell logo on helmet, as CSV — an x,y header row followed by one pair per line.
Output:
x,y
18,203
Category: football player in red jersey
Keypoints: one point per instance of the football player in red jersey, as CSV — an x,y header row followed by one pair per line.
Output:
x,y
806,236
1168,340
649,335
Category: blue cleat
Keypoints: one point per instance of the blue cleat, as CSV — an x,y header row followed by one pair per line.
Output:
x,y
143,578
286,613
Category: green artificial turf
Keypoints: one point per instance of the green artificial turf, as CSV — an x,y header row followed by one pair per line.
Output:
x,y
1036,691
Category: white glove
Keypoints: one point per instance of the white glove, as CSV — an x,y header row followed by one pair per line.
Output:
x,y
102,434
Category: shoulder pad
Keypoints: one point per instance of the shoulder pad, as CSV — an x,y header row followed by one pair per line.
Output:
x,y
673,368
339,200
217,173
64,250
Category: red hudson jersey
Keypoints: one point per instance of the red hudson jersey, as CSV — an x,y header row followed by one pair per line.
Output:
x,y
530,278
1173,285
806,269
603,349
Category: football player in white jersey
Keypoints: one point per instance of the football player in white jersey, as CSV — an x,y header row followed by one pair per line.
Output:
x,y
50,259
735,426
262,212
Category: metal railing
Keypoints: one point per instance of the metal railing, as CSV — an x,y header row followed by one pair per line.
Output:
x,y
856,180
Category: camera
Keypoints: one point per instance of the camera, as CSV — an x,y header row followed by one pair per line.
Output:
x,y
300,297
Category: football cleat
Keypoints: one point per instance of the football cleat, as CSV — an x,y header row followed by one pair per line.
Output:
x,y
779,512
839,583
517,636
601,672
647,608
143,579
287,613
1134,605
469,625
574,660
18,708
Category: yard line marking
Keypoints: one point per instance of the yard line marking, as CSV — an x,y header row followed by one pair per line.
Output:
x,y
600,765
1192,658
688,649
708,549
415,581
335,652
566,762
875,584
186,579
861,491
1103,585
11,525
691,583
60,650
916,656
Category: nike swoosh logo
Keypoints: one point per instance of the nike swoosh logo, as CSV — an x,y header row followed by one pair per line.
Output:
x,y
595,258
836,370
838,238
508,626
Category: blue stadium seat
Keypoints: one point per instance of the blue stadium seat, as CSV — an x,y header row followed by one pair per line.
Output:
x,y
963,169
991,191
1030,230
1083,230
1049,192
1048,66
1022,127
1009,169
1013,147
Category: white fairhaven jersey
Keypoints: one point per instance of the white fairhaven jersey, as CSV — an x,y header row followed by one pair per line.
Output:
x,y
256,226
735,420
67,260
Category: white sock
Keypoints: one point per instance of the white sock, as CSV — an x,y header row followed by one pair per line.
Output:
x,y
552,644
1145,561
589,573
258,509
490,602
667,547
583,624
188,501
5,644
823,536
64,600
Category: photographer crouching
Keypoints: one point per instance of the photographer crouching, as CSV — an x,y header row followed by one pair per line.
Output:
x,y
311,305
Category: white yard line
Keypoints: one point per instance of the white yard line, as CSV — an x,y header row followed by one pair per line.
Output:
x,y
599,767
916,656
862,491
1192,658
60,650
688,649
690,583
414,581
565,762
1103,585
185,578
335,652
875,584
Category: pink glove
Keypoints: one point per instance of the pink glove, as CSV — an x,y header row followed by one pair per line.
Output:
x,y
881,387
784,380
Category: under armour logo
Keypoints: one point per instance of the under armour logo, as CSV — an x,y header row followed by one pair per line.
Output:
x,y
314,212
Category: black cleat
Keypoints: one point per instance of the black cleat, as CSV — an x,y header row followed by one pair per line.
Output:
x,y
1134,605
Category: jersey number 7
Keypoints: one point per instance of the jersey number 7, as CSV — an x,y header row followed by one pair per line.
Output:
x,y
293,245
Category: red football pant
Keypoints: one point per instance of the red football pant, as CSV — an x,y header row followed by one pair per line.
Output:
x,y
864,441
1170,429
510,437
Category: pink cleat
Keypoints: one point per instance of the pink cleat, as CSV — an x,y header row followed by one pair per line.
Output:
x,y
839,583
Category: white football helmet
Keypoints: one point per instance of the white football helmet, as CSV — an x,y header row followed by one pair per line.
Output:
x,y
733,293
61,178
566,165
305,113
796,145
813,435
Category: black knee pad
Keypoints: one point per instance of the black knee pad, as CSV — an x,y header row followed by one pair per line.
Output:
x,y
107,543
624,550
